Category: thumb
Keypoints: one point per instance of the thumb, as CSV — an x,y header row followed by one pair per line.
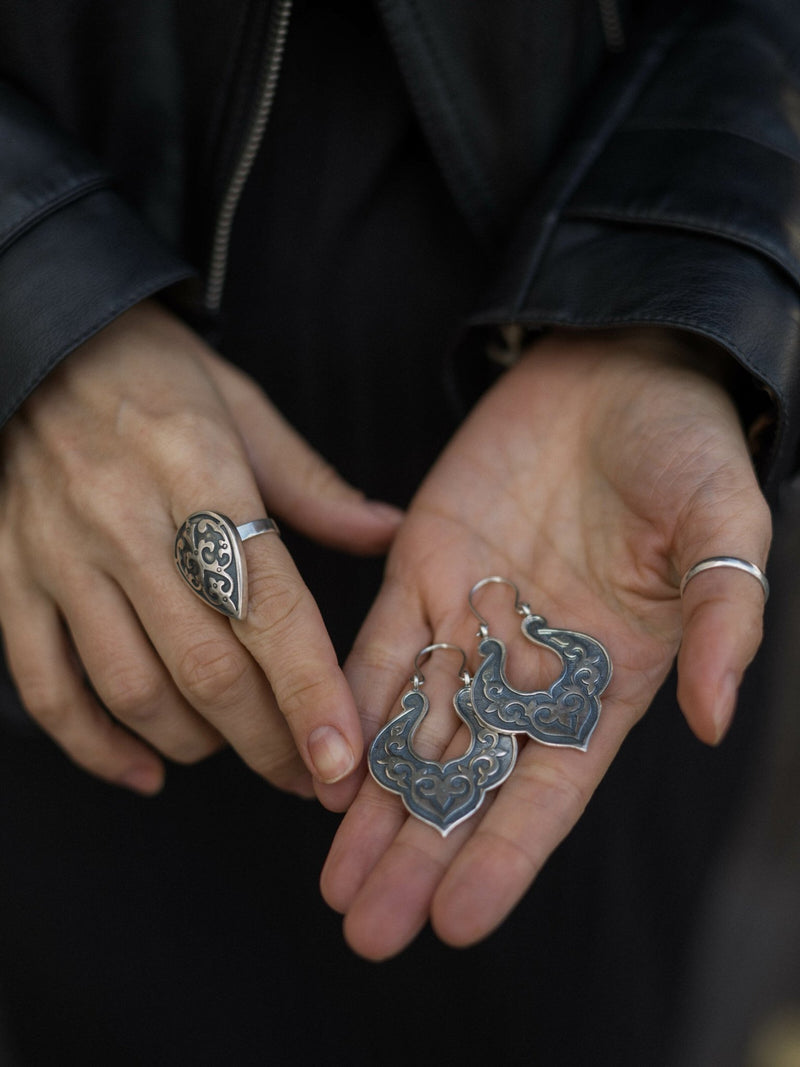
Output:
x,y
295,481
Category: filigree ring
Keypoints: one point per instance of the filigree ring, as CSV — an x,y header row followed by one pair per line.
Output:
x,y
210,558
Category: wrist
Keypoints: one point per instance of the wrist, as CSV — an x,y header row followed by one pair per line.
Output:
x,y
678,349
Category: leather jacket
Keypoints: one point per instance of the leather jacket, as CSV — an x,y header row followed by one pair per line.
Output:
x,y
655,184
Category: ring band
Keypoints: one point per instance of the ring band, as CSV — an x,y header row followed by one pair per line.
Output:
x,y
256,527
727,561
210,558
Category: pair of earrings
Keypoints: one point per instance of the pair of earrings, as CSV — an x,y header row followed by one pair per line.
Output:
x,y
444,794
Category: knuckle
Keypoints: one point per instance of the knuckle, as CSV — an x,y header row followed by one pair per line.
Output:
x,y
86,744
184,428
103,514
194,444
179,436
85,488
300,690
194,749
273,603
131,694
376,658
45,703
211,672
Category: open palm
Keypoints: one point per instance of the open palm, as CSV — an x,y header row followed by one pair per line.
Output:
x,y
592,475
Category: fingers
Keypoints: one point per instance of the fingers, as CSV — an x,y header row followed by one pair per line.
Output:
x,y
379,666
383,867
285,634
530,815
378,669
102,466
46,674
395,902
129,677
270,684
389,874
294,480
214,676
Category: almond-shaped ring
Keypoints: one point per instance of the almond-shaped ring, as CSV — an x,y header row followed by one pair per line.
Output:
x,y
726,561
210,558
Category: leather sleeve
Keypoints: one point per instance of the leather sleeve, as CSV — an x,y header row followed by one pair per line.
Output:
x,y
73,256
678,204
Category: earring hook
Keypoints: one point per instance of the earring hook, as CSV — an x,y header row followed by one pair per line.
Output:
x,y
520,606
418,677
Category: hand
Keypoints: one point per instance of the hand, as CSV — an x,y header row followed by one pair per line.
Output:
x,y
593,475
134,431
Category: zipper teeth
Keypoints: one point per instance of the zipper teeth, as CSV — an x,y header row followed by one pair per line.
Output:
x,y
271,67
276,46
611,21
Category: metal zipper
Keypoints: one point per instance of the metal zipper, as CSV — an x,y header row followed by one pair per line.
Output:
x,y
268,84
611,21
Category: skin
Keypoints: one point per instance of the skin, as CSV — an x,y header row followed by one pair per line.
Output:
x,y
593,475
138,428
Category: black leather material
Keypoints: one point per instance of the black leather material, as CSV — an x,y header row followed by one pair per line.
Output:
x,y
690,137
495,89
73,255
677,204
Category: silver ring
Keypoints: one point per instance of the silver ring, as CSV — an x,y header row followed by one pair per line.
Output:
x,y
210,558
727,561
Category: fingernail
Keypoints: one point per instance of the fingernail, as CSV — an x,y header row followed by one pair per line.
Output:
x,y
726,704
144,779
330,753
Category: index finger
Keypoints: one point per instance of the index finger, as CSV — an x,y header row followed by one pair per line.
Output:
x,y
284,632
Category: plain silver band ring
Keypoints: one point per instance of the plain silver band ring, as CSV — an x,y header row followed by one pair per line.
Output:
x,y
256,527
727,561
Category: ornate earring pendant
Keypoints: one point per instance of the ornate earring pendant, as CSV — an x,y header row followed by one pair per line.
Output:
x,y
567,712
440,794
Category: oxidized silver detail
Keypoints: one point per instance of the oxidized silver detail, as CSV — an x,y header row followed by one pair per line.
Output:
x,y
440,794
210,559
567,712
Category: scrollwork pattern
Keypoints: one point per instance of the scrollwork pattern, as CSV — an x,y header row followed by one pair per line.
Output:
x,y
209,559
567,712
440,794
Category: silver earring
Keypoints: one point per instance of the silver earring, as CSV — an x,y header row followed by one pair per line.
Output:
x,y
567,712
440,794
